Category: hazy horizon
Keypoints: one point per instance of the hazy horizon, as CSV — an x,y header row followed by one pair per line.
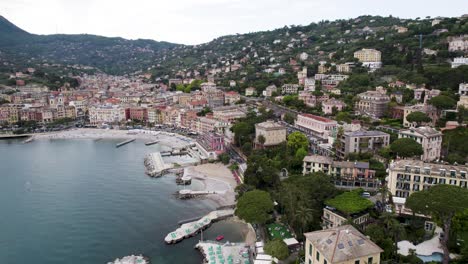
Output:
x,y
195,22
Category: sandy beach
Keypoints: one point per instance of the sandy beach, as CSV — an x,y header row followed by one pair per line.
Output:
x,y
169,139
216,177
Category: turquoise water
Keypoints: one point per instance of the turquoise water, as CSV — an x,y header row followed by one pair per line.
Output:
x,y
85,201
436,257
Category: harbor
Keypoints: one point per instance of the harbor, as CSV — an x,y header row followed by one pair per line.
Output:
x,y
190,229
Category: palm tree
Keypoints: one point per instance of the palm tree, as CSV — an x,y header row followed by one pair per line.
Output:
x,y
304,216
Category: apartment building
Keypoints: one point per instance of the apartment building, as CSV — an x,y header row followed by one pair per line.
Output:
x,y
429,110
463,89
136,113
269,90
459,43
231,97
228,113
315,125
362,141
329,105
346,174
251,91
333,218
210,145
106,114
368,55
340,245
372,103
289,88
460,61
429,138
274,133
409,176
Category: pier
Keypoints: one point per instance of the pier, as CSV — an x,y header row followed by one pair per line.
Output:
x,y
124,143
187,194
151,143
12,136
155,165
190,229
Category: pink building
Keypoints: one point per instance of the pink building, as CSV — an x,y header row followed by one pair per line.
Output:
x,y
315,125
327,106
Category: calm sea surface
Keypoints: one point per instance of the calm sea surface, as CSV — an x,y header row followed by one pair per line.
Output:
x,y
85,201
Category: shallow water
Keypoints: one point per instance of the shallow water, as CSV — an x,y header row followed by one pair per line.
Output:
x,y
85,201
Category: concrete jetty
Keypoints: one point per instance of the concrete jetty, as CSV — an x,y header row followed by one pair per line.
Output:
x,y
187,194
192,228
124,143
215,252
151,143
12,136
155,165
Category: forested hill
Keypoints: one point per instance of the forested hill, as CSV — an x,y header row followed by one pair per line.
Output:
x,y
331,41
19,48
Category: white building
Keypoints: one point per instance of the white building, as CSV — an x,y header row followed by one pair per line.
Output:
x,y
309,84
459,43
429,138
316,125
290,88
457,62
463,89
106,114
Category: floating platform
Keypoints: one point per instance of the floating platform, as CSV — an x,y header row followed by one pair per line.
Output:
x,y
151,143
124,143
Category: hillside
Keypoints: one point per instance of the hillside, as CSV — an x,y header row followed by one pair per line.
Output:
x,y
113,55
330,41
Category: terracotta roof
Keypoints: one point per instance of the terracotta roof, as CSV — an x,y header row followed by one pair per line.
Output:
x,y
318,118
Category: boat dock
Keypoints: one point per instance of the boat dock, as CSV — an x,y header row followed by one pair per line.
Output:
x,y
124,143
151,143
29,140
190,229
12,136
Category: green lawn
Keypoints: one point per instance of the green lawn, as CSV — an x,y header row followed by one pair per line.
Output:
x,y
278,231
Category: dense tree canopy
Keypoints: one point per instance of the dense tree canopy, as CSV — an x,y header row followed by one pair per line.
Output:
x,y
418,117
442,102
255,207
297,140
277,248
441,202
406,148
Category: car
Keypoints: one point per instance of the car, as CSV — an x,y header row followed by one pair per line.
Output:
x,y
366,195
388,208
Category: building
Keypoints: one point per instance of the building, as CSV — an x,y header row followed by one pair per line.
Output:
x,y
459,43
400,29
315,125
340,245
274,133
408,176
269,90
460,61
250,91
333,218
228,113
330,80
368,55
231,97
329,105
105,114
343,68
346,174
463,89
136,113
463,102
208,87
372,103
210,145
429,138
429,110
309,84
362,141
290,88
302,75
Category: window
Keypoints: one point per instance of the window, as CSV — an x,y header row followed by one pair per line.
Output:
x,y
310,261
369,260
325,261
356,262
310,250
317,256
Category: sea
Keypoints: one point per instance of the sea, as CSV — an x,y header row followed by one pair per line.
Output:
x,y
84,201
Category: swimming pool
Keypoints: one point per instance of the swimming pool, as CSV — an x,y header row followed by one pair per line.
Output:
x,y
434,257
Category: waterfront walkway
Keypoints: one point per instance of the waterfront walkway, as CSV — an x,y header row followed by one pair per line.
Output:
x,y
192,228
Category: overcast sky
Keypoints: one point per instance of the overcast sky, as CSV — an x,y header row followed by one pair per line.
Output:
x,y
199,21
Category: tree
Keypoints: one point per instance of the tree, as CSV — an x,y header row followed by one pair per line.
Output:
x,y
289,118
441,202
224,158
406,148
442,102
255,207
305,216
261,139
277,248
297,140
418,118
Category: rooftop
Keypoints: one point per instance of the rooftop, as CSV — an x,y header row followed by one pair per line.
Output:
x,y
318,159
342,243
269,125
424,130
366,133
401,164
319,118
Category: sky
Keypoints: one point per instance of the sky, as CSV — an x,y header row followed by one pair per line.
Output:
x,y
200,21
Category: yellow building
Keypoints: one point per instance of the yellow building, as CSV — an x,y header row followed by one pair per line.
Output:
x,y
368,55
340,245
